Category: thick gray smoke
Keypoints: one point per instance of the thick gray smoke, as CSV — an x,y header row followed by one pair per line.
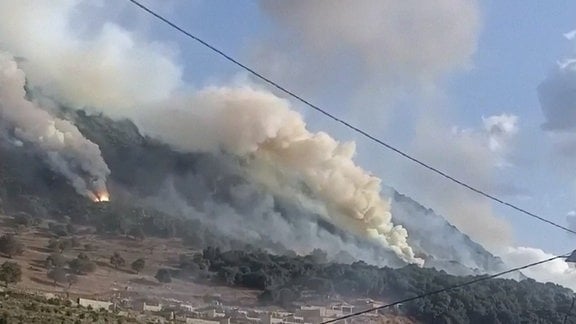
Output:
x,y
280,151
110,70
117,74
375,50
218,194
63,146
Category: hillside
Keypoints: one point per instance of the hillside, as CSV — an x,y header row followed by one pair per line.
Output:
x,y
217,230
214,191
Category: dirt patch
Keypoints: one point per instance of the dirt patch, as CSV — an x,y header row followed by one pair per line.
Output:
x,y
107,281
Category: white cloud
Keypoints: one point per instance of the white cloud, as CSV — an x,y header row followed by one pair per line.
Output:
x,y
571,35
557,94
500,130
557,271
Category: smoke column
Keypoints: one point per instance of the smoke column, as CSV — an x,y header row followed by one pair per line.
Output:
x,y
115,72
65,149
279,151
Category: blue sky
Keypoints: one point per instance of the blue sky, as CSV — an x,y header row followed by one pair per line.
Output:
x,y
518,44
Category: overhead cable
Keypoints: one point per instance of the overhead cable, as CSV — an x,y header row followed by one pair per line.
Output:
x,y
435,292
356,129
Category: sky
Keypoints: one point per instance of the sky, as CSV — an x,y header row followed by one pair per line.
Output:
x,y
482,90
513,47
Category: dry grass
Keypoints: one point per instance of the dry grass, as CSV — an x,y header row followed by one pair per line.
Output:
x,y
106,281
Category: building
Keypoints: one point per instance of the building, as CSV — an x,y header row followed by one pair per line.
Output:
x,y
151,307
207,321
94,304
311,314
269,318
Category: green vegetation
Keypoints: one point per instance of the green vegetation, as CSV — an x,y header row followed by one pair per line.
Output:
x,y
63,244
10,246
58,275
117,260
82,265
17,307
140,164
138,265
10,272
285,280
163,276
55,260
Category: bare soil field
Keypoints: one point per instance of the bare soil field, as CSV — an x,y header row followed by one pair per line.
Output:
x,y
107,281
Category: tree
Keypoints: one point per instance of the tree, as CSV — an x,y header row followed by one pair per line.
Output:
x,y
10,272
90,247
70,228
71,279
55,260
25,220
10,246
61,245
58,229
137,233
163,275
82,264
318,256
117,260
138,265
58,275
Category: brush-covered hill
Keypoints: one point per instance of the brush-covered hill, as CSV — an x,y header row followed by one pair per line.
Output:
x,y
253,239
213,192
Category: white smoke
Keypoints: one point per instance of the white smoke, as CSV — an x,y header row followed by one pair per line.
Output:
x,y
388,41
111,70
250,215
263,129
66,150
467,154
116,73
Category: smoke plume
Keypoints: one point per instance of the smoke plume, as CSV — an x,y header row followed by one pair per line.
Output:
x,y
63,146
391,43
116,73
108,69
277,148
468,154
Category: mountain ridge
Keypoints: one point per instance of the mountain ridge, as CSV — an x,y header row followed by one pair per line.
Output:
x,y
144,168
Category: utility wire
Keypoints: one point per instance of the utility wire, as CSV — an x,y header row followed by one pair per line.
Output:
x,y
386,145
345,123
435,292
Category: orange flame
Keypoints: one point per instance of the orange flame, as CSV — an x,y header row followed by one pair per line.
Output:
x,y
101,197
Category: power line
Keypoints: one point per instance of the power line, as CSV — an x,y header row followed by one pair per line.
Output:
x,y
345,123
435,292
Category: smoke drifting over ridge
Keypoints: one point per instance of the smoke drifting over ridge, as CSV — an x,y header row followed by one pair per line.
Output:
x,y
122,77
64,147
277,146
109,69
